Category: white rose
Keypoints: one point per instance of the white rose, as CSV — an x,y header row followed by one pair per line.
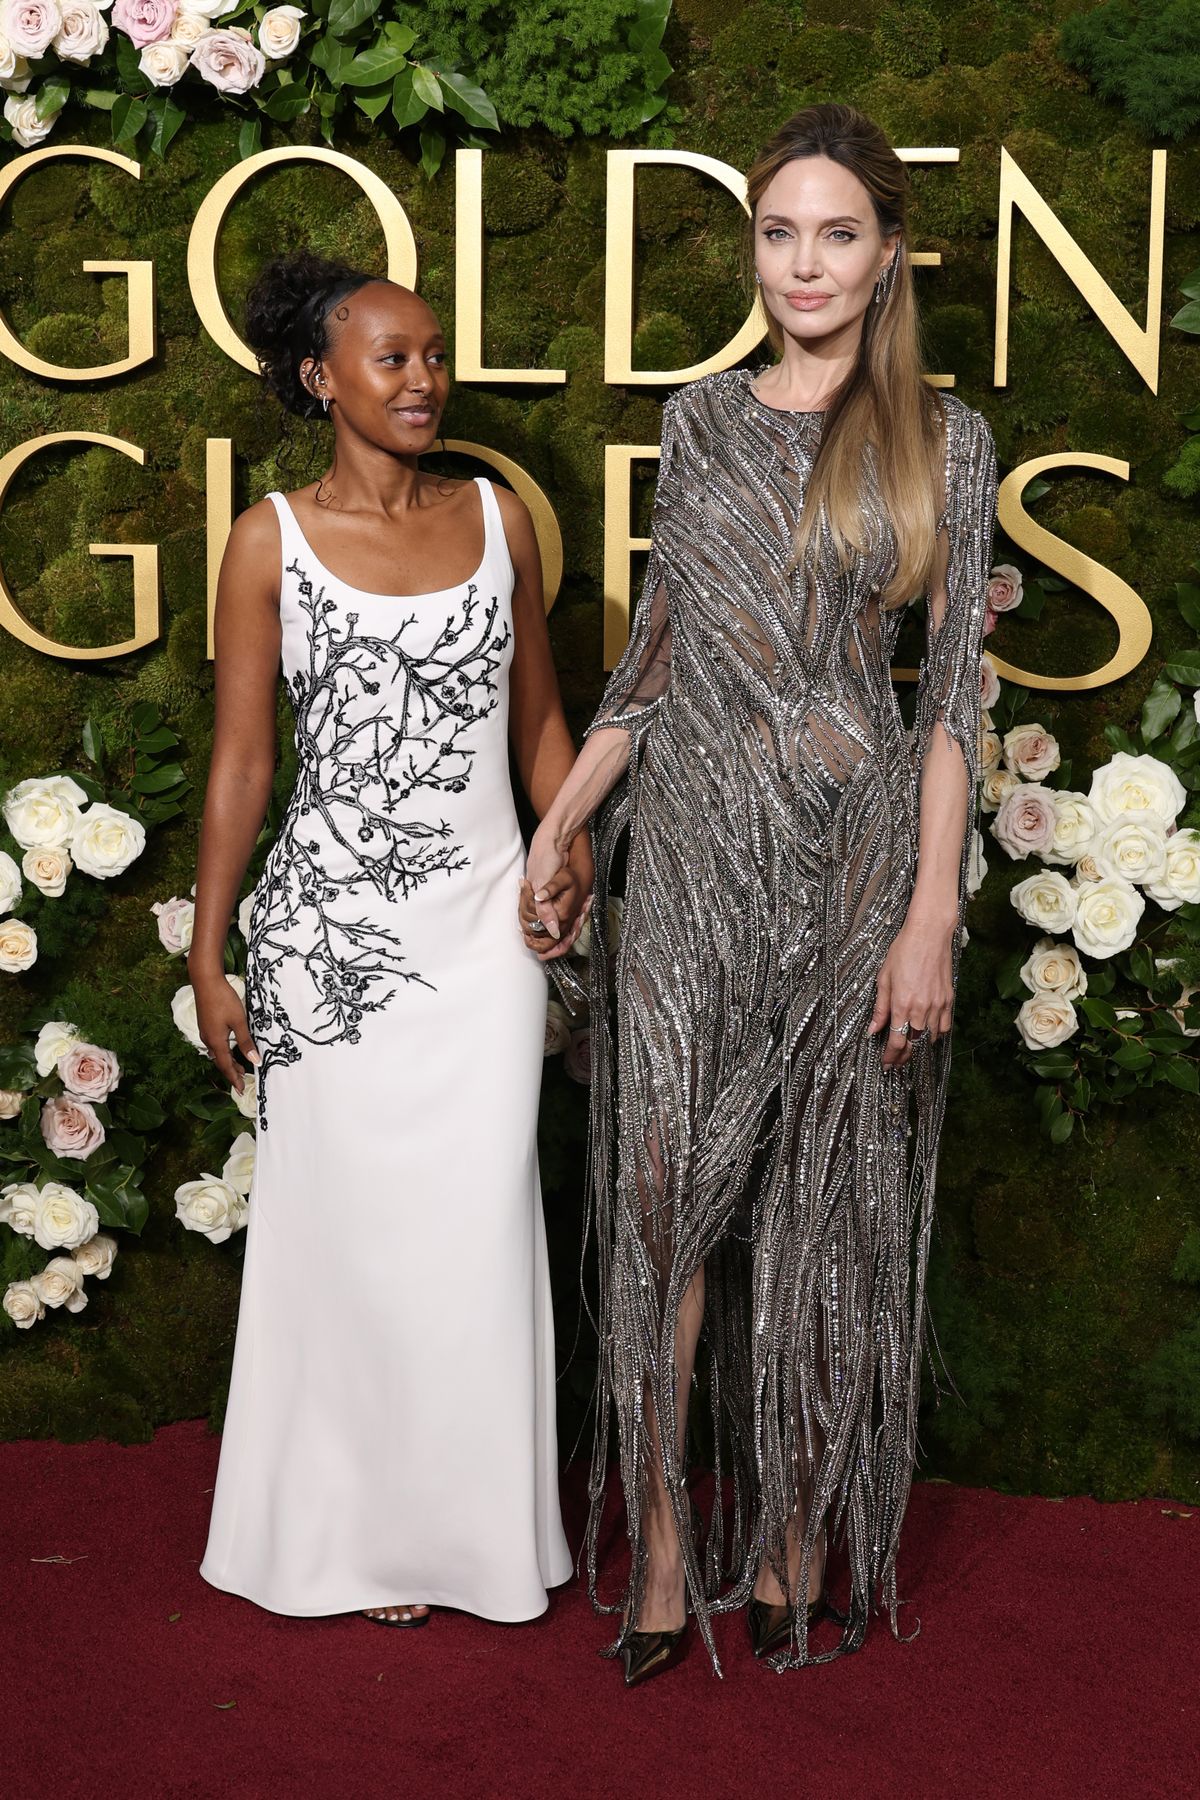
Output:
x,y
247,1101
22,1304
189,27
239,1164
18,946
10,882
60,1283
96,1256
1132,846
8,59
210,1206
1053,968
1196,704
995,788
1045,1020
989,681
1074,827
30,25
44,814
1106,916
62,1218
1180,880
175,920
1136,784
1086,869
989,751
977,867
84,31
106,841
243,915
48,870
558,1028
183,1011
1045,900
212,9
1030,751
18,1207
11,1100
1179,1010
163,63
279,31
18,79
53,1041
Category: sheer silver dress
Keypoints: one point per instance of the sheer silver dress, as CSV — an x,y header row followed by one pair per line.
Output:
x,y
742,1119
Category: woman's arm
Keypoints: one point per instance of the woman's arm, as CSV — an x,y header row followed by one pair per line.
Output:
x,y
916,980
538,730
247,639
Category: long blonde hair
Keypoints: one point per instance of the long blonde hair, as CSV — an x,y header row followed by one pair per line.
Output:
x,y
885,401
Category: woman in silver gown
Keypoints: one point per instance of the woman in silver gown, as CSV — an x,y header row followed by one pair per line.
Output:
x,y
763,1151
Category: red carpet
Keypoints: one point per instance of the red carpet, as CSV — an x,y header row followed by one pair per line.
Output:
x,y
1057,1657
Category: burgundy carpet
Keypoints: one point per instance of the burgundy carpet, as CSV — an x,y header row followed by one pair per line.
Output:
x,y
1057,1656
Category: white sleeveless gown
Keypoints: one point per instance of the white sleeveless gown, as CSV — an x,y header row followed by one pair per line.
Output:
x,y
390,1434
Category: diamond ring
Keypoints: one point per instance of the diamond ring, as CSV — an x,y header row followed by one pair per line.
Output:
x,y
902,1028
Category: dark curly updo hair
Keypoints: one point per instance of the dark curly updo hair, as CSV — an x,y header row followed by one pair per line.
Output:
x,y
288,316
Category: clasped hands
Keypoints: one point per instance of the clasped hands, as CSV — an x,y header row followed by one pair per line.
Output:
x,y
555,896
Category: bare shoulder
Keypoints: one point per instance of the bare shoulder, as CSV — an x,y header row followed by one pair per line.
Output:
x,y
256,530
515,517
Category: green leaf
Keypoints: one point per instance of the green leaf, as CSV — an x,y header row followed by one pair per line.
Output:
x,y
373,104
1187,731
1033,490
128,117
332,55
1062,1127
1160,706
170,116
1188,317
407,106
156,780
146,716
1009,985
118,1198
102,99
143,1113
286,103
52,96
380,63
1033,600
1133,1057
1185,668
467,98
1055,1065
1081,1093
646,32
93,743
250,139
18,1066
1187,598
1101,981
346,16
129,65
1167,1043
400,37
1141,965
1181,1072
1190,285
427,88
1097,1012
155,741
1120,740
433,148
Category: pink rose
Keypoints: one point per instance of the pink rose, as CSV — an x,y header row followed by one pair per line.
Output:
x,y
1025,820
229,60
1005,589
145,21
89,1073
989,681
577,1058
71,1128
30,25
175,918
989,621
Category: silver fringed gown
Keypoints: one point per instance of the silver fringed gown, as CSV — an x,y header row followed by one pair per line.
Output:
x,y
742,1119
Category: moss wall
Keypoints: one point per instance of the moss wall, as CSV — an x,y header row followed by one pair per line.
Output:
x,y
1055,1302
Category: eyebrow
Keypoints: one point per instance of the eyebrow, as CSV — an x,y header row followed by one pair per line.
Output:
x,y
782,219
401,337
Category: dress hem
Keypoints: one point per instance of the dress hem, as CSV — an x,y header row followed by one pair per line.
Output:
x,y
491,1615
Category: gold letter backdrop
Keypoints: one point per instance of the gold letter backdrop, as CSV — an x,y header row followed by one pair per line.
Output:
x,y
579,282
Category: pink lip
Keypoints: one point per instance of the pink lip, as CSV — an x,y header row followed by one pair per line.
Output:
x,y
414,415
807,302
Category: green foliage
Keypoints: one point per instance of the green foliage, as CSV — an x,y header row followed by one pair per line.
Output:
x,y
1146,55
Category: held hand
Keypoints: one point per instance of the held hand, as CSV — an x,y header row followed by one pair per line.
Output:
x,y
914,984
220,1016
546,863
568,906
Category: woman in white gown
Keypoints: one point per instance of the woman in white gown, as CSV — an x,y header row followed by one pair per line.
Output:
x,y
390,1439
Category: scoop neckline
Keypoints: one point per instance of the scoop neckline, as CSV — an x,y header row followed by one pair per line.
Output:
x,y
369,593
786,412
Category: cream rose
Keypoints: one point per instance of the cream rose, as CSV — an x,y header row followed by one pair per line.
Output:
x,y
18,946
977,865
995,788
212,9
163,64
9,60
558,1028
1025,820
44,814
84,31
1085,870
175,919
60,1283
247,1101
1074,827
1132,846
211,1207
1045,1020
239,1164
30,25
62,1219
1180,880
989,681
228,60
53,1041
183,1011
88,1072
1136,784
1005,588
22,1304
1045,900
1106,916
71,1128
11,1100
48,870
18,1207
577,1060
96,1257
10,882
279,31
989,752
18,79
189,28
106,841
1031,752
243,915
1054,968
1186,998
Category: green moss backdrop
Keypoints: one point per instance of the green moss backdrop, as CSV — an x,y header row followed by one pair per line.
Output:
x,y
1063,1290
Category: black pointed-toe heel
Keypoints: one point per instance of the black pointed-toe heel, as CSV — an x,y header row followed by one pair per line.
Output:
x,y
770,1627
647,1653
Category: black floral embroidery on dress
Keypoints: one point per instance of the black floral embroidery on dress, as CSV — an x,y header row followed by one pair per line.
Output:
x,y
376,722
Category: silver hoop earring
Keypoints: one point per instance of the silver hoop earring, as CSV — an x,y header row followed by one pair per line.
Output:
x,y
325,401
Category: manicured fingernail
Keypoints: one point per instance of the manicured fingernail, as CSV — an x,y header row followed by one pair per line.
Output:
x,y
255,1058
